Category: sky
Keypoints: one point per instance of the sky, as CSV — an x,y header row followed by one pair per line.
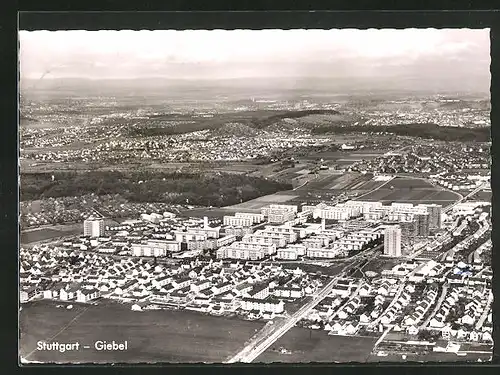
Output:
x,y
451,54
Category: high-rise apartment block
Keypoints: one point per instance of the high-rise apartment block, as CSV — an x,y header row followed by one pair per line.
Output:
x,y
392,241
93,227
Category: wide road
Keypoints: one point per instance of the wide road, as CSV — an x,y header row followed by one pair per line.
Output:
x,y
257,347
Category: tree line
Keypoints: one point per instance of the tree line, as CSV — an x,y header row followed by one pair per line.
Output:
x,y
204,189
424,130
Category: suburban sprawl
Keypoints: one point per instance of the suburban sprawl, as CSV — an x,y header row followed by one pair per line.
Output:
x,y
273,229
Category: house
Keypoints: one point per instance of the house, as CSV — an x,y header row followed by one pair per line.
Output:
x,y
376,312
474,336
364,318
351,329
136,307
411,320
222,288
50,293
397,305
412,330
200,285
87,295
341,290
467,320
437,322
337,327
379,300
23,296
486,336
181,282
104,288
139,292
446,332
27,294
67,294
365,290
218,310
201,299
324,311
461,334
388,318
383,290
404,299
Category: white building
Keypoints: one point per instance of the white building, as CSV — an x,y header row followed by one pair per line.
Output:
x,y
93,227
279,214
392,241
291,252
155,248
256,218
238,221
246,250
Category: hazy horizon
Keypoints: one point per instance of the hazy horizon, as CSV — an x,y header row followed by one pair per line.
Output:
x,y
434,59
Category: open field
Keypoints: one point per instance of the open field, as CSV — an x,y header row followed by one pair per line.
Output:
x,y
317,346
371,185
49,233
153,336
258,203
407,182
322,181
350,181
430,195
379,264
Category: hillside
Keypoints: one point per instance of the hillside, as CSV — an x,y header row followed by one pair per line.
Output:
x,y
427,131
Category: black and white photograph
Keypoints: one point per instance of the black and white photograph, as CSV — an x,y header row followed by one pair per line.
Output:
x,y
255,196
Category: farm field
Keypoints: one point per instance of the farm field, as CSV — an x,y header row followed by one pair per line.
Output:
x,y
323,181
258,203
407,182
317,346
386,195
153,336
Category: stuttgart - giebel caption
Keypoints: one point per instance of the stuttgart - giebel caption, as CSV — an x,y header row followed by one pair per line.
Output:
x,y
102,346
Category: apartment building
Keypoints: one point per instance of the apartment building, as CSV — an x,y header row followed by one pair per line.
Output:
x,y
259,238
246,250
238,221
93,227
155,248
256,218
291,252
392,241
